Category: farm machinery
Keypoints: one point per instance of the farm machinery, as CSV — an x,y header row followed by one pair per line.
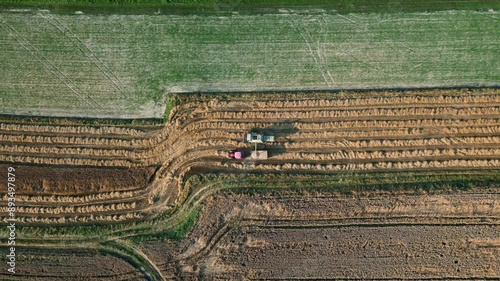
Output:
x,y
236,154
256,139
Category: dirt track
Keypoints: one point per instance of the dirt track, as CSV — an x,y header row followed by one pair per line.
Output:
x,y
447,129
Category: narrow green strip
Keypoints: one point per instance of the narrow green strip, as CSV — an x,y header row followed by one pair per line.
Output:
x,y
341,6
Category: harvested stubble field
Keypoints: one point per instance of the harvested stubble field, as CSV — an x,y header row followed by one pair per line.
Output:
x,y
142,171
450,136
120,66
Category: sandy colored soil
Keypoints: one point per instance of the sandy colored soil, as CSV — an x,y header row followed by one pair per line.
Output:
x,y
110,171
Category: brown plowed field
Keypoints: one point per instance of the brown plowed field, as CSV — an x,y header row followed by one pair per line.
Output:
x,y
40,264
54,180
95,174
367,236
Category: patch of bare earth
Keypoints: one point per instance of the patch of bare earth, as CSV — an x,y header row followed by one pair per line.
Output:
x,y
67,180
39,264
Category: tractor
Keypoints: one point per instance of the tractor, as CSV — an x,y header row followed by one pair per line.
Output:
x,y
236,154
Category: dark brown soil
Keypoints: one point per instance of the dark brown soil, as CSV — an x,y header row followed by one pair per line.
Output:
x,y
49,180
35,264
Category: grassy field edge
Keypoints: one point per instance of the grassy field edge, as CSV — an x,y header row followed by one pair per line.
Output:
x,y
207,6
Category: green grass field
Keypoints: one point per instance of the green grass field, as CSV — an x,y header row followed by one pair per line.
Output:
x,y
122,66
